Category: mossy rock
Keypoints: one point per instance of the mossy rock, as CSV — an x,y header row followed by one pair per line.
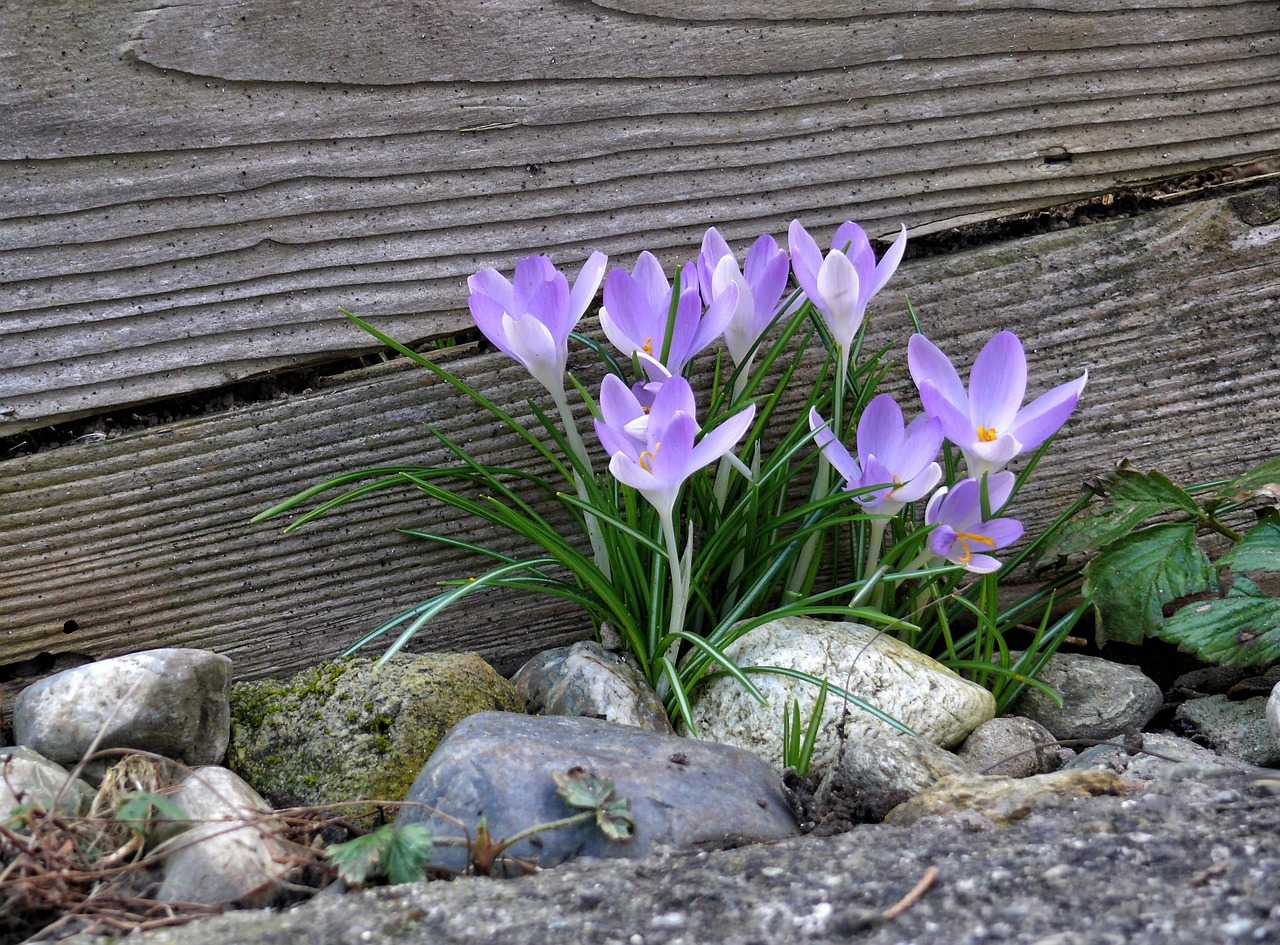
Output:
x,y
348,730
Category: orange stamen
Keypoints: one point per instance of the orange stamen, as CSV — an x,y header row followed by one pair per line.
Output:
x,y
965,537
647,458
648,346
986,434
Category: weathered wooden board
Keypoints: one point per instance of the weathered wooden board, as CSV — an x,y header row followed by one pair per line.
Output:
x,y
189,191
144,540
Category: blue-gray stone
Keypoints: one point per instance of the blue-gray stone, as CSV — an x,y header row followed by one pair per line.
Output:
x,y
684,794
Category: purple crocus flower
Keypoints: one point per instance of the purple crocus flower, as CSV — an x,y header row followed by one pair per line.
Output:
x,y
637,306
842,284
530,318
890,453
658,462
960,535
988,423
760,286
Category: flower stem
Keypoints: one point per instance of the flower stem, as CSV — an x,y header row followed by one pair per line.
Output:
x,y
821,485
598,548
679,599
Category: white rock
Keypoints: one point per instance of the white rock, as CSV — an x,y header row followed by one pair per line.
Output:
x,y
170,701
230,853
938,705
27,776
1273,712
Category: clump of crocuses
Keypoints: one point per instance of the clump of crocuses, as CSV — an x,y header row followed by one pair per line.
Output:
x,y
687,499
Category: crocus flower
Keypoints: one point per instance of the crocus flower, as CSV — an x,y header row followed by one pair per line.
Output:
x,y
961,536
988,423
890,453
637,306
531,317
658,464
842,284
760,286
623,424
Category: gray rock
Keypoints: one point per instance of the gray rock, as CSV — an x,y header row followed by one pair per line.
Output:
x,y
1101,699
585,679
1234,727
1273,713
1011,746
684,794
27,776
924,695
1002,801
350,729
876,773
171,701
229,853
1158,753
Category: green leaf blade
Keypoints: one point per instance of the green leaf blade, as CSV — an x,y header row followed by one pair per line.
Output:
x,y
1241,629
1131,580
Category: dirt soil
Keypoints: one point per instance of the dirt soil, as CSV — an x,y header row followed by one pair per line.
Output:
x,y
1192,859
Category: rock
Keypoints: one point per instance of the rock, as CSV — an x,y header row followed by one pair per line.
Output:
x,y
229,852
924,695
585,679
27,776
876,773
1234,727
1273,713
1158,752
1101,699
172,702
1011,746
683,794
349,729
1002,801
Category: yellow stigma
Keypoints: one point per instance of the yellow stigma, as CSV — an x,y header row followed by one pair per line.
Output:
x,y
647,457
897,484
648,346
986,434
965,537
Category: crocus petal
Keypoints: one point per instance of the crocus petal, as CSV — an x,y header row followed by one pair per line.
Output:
x,y
838,299
934,505
941,539
488,314
766,272
888,265
652,281
920,444
1041,418
997,383
928,365
1002,531
881,430
999,489
954,418
713,322
532,344
919,485
851,240
673,397
833,449
531,273
722,439
586,285
617,442
981,564
989,457
493,284
806,258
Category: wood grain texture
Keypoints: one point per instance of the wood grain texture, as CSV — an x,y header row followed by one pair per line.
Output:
x,y
189,191
144,540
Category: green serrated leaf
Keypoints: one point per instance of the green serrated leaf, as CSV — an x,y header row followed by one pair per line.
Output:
x,y
1258,550
616,822
582,788
360,859
1241,629
1127,486
1130,581
1098,529
408,853
1262,480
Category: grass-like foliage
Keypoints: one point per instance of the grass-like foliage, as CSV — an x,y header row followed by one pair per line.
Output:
x,y
718,510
